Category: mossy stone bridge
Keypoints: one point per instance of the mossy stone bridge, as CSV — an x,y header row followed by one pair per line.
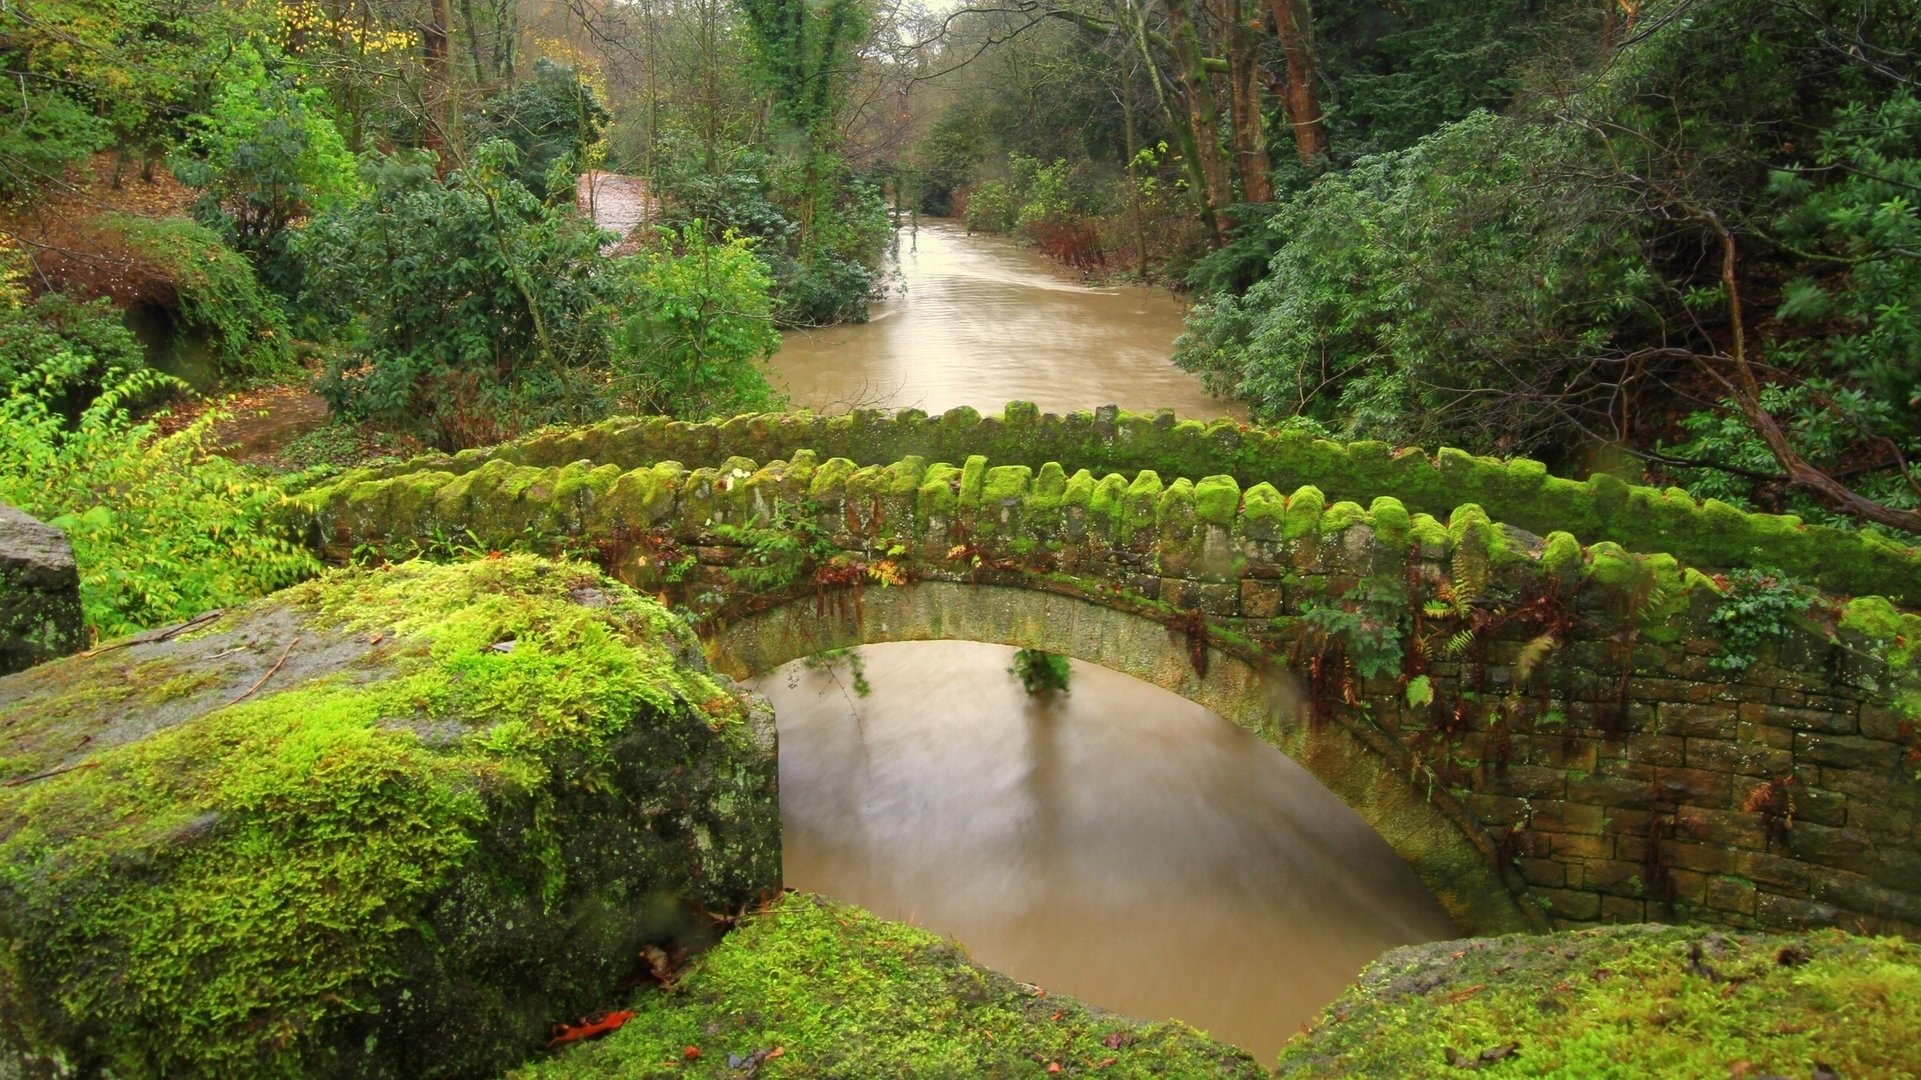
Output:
x,y
1518,680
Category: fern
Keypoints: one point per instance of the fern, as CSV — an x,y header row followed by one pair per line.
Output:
x,y
1531,655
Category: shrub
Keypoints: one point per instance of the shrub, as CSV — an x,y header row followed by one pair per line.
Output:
x,y
215,291
698,323
161,529
472,309
1040,672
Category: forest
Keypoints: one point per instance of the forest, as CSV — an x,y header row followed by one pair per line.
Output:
x,y
1558,509
1676,240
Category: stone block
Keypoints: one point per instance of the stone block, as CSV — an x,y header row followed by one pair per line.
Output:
x,y
1857,895
1568,817
1881,722
1736,756
1731,894
1623,909
1844,751
1530,782
1656,750
1571,905
1829,723
1794,913
1610,791
1731,828
1578,846
40,615
1260,599
1692,787
1543,872
1616,877
1698,720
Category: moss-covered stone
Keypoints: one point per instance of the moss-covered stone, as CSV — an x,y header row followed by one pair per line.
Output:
x,y
329,829
1626,1001
839,993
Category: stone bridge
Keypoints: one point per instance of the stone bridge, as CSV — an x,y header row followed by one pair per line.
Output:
x,y
1547,728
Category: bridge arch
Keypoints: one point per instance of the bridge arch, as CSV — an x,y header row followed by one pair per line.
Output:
x,y
1539,726
1430,831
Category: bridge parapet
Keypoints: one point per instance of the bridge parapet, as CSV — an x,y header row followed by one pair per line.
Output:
x,y
1707,534
1567,710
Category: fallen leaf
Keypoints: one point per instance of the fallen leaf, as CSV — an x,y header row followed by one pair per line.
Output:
x,y
1053,1066
691,1052
1115,1040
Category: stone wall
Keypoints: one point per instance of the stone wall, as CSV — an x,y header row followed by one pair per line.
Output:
x,y
1560,705
1706,534
40,616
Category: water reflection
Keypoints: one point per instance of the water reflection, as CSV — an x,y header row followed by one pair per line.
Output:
x,y
984,322
1120,844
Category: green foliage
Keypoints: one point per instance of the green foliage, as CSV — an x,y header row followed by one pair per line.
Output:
x,y
841,993
696,329
264,155
993,207
1040,672
553,119
1863,292
1759,607
32,331
472,305
42,132
781,552
216,291
1834,426
1403,304
161,529
1370,623
819,229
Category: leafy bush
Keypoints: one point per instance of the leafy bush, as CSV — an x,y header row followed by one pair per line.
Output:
x,y
1405,304
472,308
697,325
215,291
553,119
1759,607
1828,421
264,155
1040,672
54,323
161,529
993,207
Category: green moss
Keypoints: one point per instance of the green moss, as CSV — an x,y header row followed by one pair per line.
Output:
x,y
1263,512
228,894
939,492
1624,1002
1217,499
843,994
1894,633
1426,531
1341,516
1304,513
1561,556
1390,519
1609,565
1006,485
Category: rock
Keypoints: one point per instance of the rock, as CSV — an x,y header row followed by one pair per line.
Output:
x,y
812,988
1637,1000
334,833
39,593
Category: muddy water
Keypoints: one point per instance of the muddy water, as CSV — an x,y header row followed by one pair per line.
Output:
x,y
1120,844
983,322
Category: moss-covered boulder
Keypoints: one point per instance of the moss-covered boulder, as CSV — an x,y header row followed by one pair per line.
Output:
x,y
386,823
810,988
1627,1001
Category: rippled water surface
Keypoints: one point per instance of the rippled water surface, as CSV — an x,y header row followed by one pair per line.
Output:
x,y
983,322
1120,843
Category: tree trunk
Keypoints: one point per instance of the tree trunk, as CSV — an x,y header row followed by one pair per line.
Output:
x,y
1202,115
1177,122
438,98
1244,89
1294,23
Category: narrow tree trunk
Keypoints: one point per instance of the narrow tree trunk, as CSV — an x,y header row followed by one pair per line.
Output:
x,y
1294,23
1202,115
1242,34
1177,121
436,52
1133,180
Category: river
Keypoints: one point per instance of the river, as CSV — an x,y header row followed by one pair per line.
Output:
x,y
1117,843
981,321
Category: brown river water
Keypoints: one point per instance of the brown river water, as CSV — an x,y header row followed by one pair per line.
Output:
x,y
1119,843
982,322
